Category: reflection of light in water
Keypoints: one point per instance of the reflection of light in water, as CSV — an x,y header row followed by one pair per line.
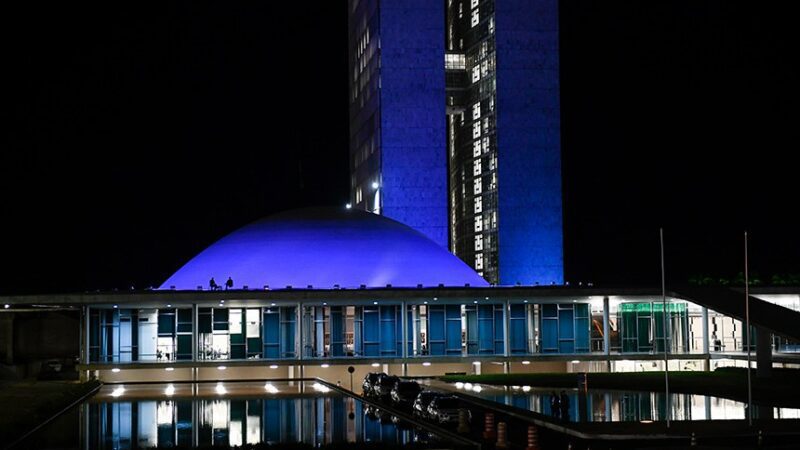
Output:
x,y
164,413
321,387
269,387
220,389
235,433
253,430
118,391
170,390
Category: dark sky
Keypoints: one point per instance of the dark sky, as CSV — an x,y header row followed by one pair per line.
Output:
x,y
137,134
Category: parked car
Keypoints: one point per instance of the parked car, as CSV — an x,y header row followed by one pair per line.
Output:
x,y
383,387
420,406
446,409
369,381
405,392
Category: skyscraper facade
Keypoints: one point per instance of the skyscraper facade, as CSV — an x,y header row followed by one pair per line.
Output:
x,y
397,112
494,138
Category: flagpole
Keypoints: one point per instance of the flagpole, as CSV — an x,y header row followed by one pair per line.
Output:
x,y
664,316
747,334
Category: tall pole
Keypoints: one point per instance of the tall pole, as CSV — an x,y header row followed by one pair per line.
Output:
x,y
747,333
664,317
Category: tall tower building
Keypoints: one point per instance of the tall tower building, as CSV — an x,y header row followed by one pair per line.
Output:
x,y
455,128
398,163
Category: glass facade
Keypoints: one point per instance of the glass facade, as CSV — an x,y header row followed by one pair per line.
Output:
x,y
472,136
433,328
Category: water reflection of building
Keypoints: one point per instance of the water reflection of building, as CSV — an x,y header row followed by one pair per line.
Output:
x,y
236,421
322,289
622,406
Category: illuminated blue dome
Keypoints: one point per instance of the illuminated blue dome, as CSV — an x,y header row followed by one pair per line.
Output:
x,y
323,247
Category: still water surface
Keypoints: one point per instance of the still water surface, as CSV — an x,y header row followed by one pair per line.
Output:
x,y
213,414
618,406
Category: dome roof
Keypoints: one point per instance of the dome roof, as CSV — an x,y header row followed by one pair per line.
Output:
x,y
323,247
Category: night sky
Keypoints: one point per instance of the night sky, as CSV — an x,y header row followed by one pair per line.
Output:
x,y
136,135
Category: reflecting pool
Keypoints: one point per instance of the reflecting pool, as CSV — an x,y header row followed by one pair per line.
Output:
x,y
618,406
226,413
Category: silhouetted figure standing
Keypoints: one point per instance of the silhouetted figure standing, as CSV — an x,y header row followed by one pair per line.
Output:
x,y
229,284
213,284
564,405
555,405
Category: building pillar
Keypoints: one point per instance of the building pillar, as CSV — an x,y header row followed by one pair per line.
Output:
x,y
298,333
404,332
506,326
706,347
607,332
763,353
195,333
86,334
7,337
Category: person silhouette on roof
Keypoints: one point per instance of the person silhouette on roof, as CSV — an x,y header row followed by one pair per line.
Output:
x,y
229,284
213,284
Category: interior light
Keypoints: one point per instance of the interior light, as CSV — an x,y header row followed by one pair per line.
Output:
x,y
115,369
574,361
170,390
374,303
526,362
169,369
526,388
477,363
325,366
426,364
221,367
274,366
375,365
118,391
169,305
221,389
115,306
269,387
